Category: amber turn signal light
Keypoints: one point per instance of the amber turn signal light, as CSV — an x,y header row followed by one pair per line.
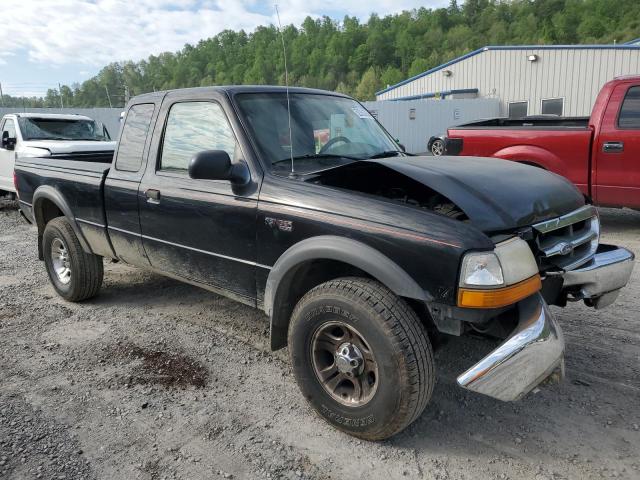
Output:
x,y
499,297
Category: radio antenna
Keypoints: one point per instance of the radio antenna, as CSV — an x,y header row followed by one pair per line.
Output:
x,y
286,82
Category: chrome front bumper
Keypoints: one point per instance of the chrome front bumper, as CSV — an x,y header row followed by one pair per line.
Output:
x,y
533,352
535,349
599,281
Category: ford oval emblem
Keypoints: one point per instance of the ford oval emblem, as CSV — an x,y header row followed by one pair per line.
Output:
x,y
565,248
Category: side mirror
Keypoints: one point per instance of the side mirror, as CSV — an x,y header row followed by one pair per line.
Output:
x,y
216,165
8,142
402,147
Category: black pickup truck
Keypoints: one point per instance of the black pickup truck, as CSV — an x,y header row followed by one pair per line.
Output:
x,y
300,204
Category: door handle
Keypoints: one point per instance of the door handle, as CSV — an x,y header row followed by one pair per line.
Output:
x,y
613,147
153,196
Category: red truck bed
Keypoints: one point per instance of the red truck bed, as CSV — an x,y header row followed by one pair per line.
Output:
x,y
599,154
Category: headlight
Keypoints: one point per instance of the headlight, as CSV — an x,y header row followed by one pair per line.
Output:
x,y
32,152
499,278
481,270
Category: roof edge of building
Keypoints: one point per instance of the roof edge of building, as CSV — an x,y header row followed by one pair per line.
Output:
x,y
442,94
625,46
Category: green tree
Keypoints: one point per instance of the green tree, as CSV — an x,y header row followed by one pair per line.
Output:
x,y
391,76
368,86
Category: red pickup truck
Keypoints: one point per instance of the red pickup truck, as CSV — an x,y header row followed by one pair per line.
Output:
x,y
599,154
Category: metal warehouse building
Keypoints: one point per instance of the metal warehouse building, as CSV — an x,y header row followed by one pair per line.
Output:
x,y
527,80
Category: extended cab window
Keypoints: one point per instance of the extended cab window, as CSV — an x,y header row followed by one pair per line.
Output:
x,y
193,127
630,111
134,135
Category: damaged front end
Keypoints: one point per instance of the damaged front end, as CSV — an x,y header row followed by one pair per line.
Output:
x,y
532,353
546,252
574,266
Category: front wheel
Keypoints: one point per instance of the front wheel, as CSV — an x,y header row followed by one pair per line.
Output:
x,y
361,357
75,274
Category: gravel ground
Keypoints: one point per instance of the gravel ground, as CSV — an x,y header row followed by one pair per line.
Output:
x,y
155,379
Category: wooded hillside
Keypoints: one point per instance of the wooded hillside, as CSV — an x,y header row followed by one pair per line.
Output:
x,y
354,57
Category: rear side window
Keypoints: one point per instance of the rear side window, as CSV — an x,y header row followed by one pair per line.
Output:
x,y
134,135
630,112
193,127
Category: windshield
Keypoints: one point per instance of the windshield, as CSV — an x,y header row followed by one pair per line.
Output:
x,y
62,129
326,131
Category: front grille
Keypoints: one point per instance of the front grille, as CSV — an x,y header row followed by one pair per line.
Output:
x,y
569,241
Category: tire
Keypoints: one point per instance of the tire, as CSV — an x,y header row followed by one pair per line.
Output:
x,y
391,341
437,147
79,274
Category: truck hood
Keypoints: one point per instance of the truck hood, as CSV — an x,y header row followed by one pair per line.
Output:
x,y
70,146
495,194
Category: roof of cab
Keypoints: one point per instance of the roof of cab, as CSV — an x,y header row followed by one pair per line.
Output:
x,y
56,116
232,90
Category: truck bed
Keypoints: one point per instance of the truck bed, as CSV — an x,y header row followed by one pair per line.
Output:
x,y
562,148
55,163
542,122
78,184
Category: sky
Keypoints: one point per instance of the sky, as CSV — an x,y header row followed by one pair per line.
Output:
x,y
47,42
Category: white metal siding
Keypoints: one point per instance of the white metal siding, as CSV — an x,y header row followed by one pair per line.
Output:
x,y
433,117
573,74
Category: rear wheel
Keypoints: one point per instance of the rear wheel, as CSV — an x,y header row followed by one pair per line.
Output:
x,y
361,357
437,147
75,274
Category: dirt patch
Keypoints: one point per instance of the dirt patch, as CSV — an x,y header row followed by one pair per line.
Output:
x,y
164,368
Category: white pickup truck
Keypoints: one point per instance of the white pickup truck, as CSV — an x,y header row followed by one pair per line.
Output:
x,y
68,137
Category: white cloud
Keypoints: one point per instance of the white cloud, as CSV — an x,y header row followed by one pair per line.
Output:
x,y
101,31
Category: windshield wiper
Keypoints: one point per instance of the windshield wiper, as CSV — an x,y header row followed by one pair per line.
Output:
x,y
315,155
387,153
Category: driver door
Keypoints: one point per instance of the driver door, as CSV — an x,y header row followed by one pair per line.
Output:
x,y
200,230
7,155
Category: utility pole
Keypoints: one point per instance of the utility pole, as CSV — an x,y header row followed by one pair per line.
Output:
x,y
1,97
126,94
108,97
60,92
